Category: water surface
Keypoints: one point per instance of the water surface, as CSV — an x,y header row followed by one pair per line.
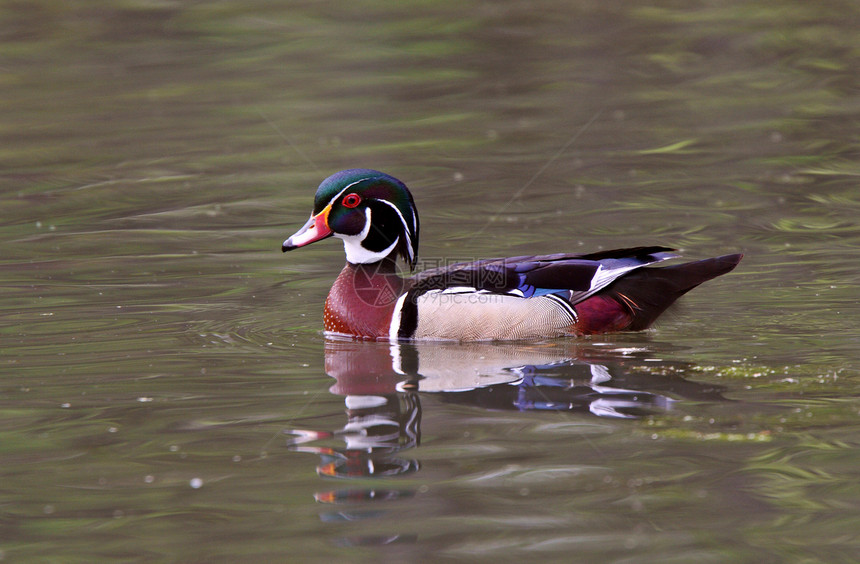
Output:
x,y
167,392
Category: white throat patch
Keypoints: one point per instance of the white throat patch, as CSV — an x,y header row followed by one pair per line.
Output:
x,y
355,253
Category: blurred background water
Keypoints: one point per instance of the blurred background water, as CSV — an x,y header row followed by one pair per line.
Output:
x,y
167,394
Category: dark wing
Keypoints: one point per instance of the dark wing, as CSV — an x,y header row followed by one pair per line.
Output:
x,y
571,276
647,292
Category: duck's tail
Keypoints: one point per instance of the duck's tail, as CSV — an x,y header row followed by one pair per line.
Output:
x,y
648,292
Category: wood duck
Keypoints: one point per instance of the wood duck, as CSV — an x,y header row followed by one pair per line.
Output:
x,y
525,297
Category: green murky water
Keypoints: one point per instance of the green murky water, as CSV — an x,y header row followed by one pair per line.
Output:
x,y
166,391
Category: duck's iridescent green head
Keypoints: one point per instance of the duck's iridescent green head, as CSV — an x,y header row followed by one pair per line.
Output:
x,y
371,211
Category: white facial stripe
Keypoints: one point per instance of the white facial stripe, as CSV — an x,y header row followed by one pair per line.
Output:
x,y
368,221
355,252
405,226
347,187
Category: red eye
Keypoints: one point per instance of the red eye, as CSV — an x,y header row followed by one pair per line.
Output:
x,y
351,200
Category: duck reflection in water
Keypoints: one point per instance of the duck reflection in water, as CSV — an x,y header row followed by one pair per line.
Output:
x,y
382,385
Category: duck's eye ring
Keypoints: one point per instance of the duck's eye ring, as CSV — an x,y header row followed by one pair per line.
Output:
x,y
351,200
